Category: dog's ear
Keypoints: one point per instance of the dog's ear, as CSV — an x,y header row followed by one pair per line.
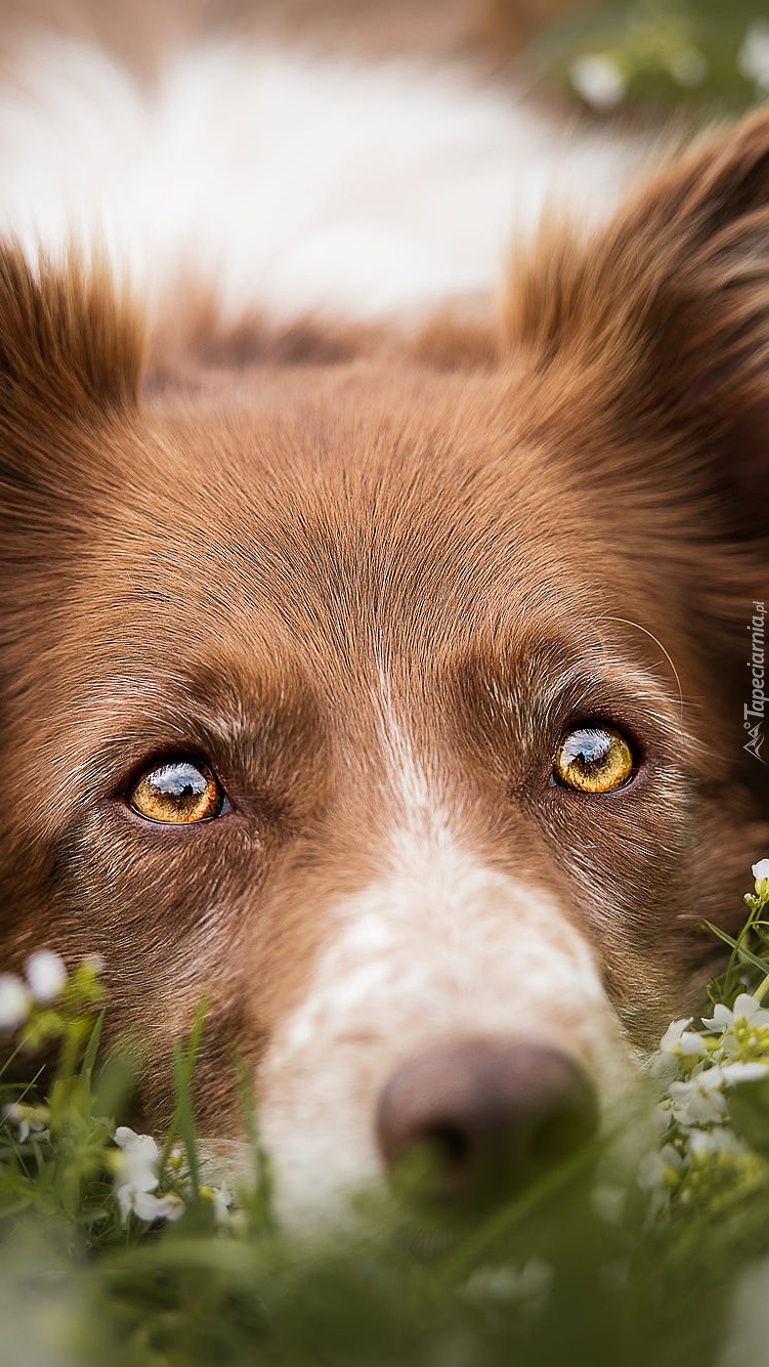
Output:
x,y
70,358
653,335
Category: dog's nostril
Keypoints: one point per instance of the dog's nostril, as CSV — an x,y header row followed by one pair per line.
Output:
x,y
451,1142
488,1116
443,1153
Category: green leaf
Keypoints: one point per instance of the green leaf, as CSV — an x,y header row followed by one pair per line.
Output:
x,y
741,950
748,1104
91,1052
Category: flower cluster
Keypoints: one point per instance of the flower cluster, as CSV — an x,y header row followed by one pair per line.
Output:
x,y
49,1004
714,1079
712,1075
45,978
135,1172
136,1167
27,1120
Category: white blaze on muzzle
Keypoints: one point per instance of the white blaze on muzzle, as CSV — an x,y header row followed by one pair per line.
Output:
x,y
443,948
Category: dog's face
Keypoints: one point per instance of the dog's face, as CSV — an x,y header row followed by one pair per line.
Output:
x,y
397,709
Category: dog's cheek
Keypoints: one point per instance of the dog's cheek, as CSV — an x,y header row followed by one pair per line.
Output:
x,y
175,918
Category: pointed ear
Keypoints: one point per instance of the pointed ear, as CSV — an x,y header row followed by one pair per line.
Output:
x,y
656,330
70,358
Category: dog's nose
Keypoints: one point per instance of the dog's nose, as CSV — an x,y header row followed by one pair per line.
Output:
x,y
488,1117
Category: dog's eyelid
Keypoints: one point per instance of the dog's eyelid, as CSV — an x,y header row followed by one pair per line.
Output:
x,y
125,752
137,760
637,731
650,719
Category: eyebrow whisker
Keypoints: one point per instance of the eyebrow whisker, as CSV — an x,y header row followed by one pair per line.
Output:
x,y
626,621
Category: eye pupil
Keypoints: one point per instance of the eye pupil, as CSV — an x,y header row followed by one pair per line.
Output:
x,y
594,759
177,791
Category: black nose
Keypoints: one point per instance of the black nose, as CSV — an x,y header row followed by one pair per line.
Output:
x,y
489,1115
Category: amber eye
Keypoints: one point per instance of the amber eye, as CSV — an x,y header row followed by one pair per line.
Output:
x,y
594,759
177,791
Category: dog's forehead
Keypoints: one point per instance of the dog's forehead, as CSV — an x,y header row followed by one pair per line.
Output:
x,y
348,518
271,571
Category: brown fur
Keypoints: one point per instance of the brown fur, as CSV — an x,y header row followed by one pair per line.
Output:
x,y
218,555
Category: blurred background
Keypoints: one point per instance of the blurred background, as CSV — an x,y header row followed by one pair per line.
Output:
x,y
642,55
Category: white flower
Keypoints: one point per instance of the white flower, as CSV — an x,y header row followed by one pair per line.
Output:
x,y
136,1144
169,1207
511,1284
15,1002
136,1172
760,870
134,1199
712,1143
753,57
146,1205
663,1068
27,1119
721,1020
221,1198
733,1073
659,1168
139,1157
659,1173
598,80
681,1042
689,67
673,1033
46,975
136,1179
700,1101
746,1008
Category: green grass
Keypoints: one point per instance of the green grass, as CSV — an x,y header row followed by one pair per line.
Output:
x,y
705,54
630,1253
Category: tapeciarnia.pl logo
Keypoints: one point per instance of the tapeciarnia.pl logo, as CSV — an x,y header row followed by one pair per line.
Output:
x,y
754,712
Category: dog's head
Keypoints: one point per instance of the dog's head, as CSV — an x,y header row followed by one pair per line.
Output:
x,y
397,708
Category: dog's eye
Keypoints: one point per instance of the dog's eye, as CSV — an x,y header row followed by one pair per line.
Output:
x,y
177,791
594,759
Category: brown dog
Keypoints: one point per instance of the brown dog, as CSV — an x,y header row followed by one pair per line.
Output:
x,y
397,682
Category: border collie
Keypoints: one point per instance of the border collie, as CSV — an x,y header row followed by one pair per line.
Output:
x,y
384,504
